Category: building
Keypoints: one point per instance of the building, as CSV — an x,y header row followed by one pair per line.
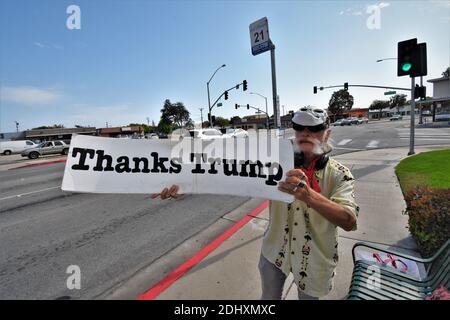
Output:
x,y
389,112
354,112
39,135
121,132
259,121
441,98
8,136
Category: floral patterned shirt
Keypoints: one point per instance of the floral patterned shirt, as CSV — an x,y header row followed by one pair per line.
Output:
x,y
300,240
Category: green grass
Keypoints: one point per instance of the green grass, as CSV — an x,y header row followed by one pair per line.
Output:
x,y
430,169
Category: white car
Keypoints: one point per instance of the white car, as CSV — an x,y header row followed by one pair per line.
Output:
x,y
207,134
10,147
237,133
152,136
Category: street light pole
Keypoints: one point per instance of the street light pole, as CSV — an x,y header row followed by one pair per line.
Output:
x,y
207,88
265,98
379,60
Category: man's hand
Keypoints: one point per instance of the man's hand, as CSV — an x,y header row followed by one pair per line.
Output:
x,y
168,193
297,184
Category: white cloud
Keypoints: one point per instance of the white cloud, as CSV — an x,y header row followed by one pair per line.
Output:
x,y
47,46
29,95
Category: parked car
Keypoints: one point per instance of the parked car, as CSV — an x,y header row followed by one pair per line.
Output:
x,y
346,122
354,120
45,148
237,133
364,120
207,134
152,136
163,135
11,147
338,122
395,117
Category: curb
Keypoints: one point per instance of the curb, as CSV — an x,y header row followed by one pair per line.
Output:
x,y
173,276
39,164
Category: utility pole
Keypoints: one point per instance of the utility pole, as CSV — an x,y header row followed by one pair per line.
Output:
x,y
201,117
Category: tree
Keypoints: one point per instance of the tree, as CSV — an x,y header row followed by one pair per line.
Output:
x,y
397,101
446,73
340,101
164,126
222,122
205,124
235,120
175,113
379,105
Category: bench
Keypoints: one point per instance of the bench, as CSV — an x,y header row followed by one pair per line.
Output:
x,y
392,284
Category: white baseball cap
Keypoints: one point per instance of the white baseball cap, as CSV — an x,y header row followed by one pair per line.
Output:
x,y
310,116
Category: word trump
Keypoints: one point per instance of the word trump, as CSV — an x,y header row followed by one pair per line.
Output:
x,y
157,164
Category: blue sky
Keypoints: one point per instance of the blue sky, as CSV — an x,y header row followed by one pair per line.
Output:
x,y
129,56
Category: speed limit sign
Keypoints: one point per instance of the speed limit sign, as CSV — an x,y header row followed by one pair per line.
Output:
x,y
259,36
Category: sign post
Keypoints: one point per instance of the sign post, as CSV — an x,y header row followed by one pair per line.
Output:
x,y
260,42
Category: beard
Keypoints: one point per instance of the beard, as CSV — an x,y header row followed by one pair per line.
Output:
x,y
319,147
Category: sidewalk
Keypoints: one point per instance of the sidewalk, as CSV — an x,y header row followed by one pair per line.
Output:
x,y
231,272
17,161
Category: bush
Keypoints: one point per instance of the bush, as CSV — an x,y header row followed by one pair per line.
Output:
x,y
429,218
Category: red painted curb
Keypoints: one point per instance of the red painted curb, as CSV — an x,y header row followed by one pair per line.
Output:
x,y
39,164
168,280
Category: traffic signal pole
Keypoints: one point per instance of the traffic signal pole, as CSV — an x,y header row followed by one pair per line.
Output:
x,y
412,122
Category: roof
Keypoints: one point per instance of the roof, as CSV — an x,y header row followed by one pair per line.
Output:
x,y
57,131
439,79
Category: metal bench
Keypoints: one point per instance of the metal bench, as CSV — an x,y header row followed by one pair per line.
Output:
x,y
395,285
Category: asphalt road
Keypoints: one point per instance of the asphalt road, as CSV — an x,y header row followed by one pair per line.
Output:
x,y
44,230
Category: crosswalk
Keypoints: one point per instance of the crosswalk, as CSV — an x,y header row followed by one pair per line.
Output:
x,y
426,134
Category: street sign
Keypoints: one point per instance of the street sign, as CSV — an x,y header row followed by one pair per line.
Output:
x,y
259,36
387,93
219,104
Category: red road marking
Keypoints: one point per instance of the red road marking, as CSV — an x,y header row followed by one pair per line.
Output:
x,y
168,280
40,164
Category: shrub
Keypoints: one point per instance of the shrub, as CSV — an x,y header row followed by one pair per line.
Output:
x,y
429,218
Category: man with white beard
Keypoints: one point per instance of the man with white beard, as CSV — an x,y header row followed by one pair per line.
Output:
x,y
302,236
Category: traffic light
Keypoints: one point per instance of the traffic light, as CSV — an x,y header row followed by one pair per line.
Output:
x,y
314,89
213,121
345,85
226,95
244,85
405,57
236,106
248,106
420,92
412,58
420,60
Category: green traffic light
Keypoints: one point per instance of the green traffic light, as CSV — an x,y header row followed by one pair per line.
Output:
x,y
406,66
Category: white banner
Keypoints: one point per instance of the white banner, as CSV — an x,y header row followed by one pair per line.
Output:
x,y
250,167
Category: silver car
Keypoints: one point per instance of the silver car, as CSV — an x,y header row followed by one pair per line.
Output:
x,y
44,148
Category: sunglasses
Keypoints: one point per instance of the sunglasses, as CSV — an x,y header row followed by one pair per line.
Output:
x,y
318,128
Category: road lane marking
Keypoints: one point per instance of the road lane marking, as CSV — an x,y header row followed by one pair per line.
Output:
x,y
344,142
372,144
28,193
